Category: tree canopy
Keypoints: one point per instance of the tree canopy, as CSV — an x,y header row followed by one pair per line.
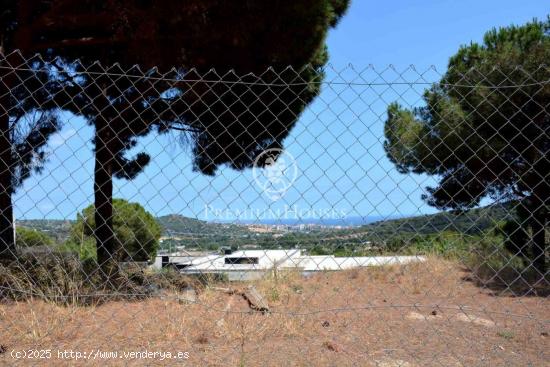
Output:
x,y
222,34
136,232
268,58
485,128
231,123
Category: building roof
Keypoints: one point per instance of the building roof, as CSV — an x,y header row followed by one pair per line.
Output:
x,y
284,259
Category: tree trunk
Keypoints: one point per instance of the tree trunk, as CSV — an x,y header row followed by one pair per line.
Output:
x,y
7,239
541,207
539,242
103,198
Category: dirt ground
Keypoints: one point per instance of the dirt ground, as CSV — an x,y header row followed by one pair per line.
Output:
x,y
426,314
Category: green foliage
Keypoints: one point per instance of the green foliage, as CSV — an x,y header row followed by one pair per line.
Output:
x,y
84,246
227,123
195,36
179,225
27,237
58,229
135,230
473,221
479,140
319,250
449,244
194,33
485,131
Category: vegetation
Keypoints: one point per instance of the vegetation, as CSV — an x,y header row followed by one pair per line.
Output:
x,y
23,138
482,140
24,129
372,238
195,36
26,237
473,239
60,277
473,221
136,232
179,225
58,230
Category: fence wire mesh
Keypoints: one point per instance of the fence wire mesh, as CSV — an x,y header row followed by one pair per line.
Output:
x,y
336,216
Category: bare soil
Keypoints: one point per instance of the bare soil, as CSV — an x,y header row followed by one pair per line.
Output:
x,y
426,314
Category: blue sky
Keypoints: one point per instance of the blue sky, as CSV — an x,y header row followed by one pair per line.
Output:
x,y
337,143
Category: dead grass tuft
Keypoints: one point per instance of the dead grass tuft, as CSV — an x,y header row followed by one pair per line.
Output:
x,y
202,339
332,346
61,278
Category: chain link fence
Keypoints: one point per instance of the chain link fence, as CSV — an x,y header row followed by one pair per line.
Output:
x,y
336,216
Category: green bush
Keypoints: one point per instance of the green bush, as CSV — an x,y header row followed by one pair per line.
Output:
x,y
136,231
26,237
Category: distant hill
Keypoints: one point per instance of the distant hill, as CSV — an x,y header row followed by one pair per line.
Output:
x,y
175,225
473,221
353,221
178,225
58,229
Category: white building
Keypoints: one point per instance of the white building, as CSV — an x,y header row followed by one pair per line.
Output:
x,y
254,264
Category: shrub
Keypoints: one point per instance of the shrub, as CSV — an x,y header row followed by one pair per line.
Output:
x,y
26,237
136,231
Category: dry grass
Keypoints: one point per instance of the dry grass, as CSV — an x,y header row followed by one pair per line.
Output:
x,y
357,317
62,278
